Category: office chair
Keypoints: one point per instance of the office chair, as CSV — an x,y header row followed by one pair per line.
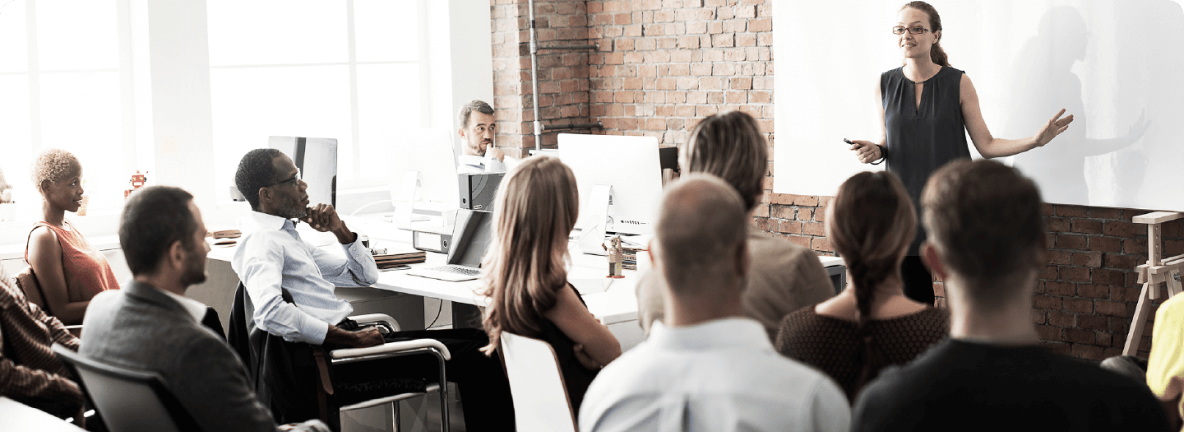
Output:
x,y
540,396
128,400
287,374
27,282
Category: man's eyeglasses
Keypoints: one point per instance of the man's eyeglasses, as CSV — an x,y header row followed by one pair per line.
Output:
x,y
918,30
295,179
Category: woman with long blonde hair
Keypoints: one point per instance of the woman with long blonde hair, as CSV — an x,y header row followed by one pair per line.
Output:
x,y
526,273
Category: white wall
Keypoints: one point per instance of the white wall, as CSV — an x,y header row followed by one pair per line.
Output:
x,y
1113,64
466,72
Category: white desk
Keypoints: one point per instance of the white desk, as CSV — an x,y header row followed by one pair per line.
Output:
x,y
20,417
615,306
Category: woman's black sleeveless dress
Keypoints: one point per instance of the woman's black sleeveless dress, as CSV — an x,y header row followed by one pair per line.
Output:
x,y
576,377
921,139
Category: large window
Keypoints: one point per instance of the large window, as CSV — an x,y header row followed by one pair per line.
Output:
x,y
73,77
354,70
77,75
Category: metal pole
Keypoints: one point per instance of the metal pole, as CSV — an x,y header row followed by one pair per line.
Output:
x,y
551,127
573,47
534,80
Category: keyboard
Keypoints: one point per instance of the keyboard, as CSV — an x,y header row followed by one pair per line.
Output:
x,y
457,270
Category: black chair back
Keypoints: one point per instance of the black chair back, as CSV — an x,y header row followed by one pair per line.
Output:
x,y
128,400
284,374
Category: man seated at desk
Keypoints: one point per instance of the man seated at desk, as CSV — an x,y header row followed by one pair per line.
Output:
x,y
271,254
477,131
271,257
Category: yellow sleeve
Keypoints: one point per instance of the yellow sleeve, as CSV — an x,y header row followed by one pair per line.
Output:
x,y
1167,346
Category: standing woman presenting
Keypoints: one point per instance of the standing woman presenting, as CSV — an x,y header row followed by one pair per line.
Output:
x,y
926,105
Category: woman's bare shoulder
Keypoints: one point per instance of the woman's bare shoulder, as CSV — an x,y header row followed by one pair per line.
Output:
x,y
43,237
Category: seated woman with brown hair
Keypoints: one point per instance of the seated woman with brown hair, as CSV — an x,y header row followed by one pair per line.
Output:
x,y
525,274
69,270
871,324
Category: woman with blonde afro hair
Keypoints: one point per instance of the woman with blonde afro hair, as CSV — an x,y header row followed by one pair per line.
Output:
x,y
69,270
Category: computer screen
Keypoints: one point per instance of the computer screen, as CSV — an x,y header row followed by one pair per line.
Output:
x,y
470,237
317,160
427,152
630,165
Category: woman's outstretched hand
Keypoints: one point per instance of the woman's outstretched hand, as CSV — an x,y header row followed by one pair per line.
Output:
x,y
866,151
1054,127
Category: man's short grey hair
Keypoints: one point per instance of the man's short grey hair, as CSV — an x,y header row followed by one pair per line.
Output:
x,y
466,111
701,224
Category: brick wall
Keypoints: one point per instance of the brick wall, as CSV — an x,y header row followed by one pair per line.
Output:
x,y
664,64
563,75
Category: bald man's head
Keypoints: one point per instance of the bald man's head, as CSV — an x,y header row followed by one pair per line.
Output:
x,y
700,236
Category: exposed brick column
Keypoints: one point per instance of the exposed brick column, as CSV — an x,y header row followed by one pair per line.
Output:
x,y
563,75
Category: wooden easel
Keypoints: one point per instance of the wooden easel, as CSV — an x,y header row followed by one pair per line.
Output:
x,y
1157,270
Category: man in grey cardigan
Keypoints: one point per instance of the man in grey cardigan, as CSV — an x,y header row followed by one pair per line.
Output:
x,y
150,325
783,276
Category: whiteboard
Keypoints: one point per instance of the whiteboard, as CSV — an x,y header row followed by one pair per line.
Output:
x,y
1117,66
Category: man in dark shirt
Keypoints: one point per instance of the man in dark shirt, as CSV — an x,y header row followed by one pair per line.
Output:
x,y
986,241
29,371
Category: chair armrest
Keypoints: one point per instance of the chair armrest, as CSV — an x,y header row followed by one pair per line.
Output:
x,y
376,317
75,330
391,348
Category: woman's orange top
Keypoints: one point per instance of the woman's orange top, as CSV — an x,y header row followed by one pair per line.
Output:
x,y
86,269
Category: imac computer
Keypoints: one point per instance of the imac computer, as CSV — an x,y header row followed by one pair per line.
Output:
x,y
422,176
628,165
317,160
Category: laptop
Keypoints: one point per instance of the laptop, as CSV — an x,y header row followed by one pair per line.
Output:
x,y
471,236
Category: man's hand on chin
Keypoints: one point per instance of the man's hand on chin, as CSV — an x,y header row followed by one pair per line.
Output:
x,y
495,152
324,218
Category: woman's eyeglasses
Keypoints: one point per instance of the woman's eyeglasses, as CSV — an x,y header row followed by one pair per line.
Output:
x,y
918,30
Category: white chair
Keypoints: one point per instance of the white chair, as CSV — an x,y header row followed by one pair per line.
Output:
x,y
540,395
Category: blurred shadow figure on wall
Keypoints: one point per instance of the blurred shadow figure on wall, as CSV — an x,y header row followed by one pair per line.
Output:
x,y
1045,80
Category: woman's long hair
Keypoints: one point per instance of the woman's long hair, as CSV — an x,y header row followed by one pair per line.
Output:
x,y
936,53
871,227
525,266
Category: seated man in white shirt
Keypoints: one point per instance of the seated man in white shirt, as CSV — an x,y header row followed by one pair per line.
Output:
x,y
708,368
271,256
477,131
271,253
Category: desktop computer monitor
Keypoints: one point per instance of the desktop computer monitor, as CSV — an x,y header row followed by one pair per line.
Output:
x,y
317,160
627,163
471,237
429,154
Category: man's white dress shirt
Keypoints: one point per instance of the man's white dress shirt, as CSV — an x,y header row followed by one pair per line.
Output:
x,y
469,164
196,309
272,255
722,375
